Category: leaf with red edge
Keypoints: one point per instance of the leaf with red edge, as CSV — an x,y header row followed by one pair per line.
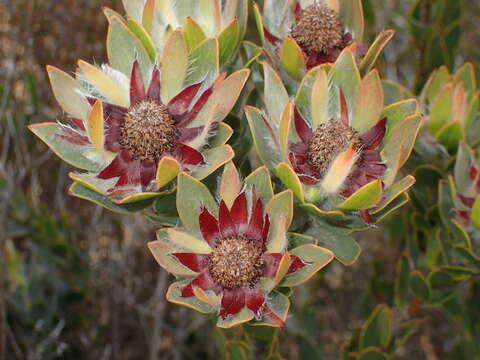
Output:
x,y
307,260
124,47
174,66
174,295
274,312
203,281
78,156
192,197
230,184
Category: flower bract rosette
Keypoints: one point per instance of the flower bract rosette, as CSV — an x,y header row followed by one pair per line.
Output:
x,y
302,34
133,133
335,144
451,104
155,20
232,256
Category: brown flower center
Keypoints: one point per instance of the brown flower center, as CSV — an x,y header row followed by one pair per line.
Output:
x,y
236,261
318,29
329,140
148,131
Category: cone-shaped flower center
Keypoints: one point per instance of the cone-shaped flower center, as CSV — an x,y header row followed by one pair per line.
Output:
x,y
329,140
318,29
236,262
148,131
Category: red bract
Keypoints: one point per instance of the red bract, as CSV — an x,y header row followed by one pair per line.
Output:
x,y
238,240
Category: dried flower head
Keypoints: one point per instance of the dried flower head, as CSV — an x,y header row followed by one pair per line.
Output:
x,y
327,142
318,29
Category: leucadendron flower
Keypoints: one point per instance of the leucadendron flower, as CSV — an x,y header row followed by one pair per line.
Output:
x,y
335,144
231,256
225,20
134,127
302,34
451,104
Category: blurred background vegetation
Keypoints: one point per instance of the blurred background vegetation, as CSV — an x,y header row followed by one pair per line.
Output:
x,y
77,282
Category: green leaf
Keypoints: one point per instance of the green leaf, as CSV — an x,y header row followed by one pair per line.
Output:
x,y
174,66
398,202
292,59
203,63
315,256
174,295
394,92
260,179
345,248
258,21
333,215
69,93
420,285
373,354
450,135
352,19
402,281
466,74
398,147
368,62
436,83
469,256
81,157
276,97
397,112
377,331
441,110
475,215
134,8
215,158
193,33
144,38
82,192
192,195
364,198
288,177
394,191
346,76
229,40
264,137
465,157
124,47
368,103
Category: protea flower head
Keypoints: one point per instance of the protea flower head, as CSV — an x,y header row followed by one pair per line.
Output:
x,y
467,188
335,144
300,35
224,19
135,126
450,103
232,255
